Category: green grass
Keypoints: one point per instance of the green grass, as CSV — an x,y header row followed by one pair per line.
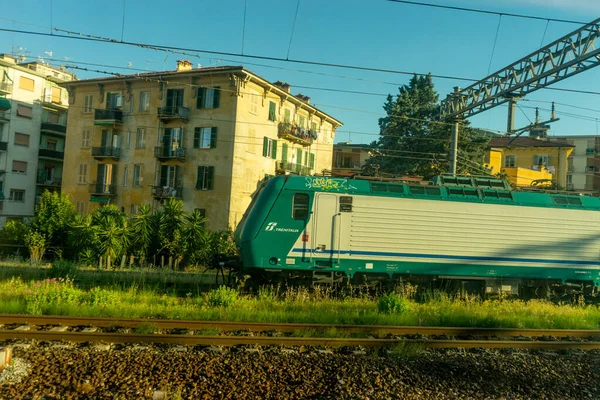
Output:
x,y
60,297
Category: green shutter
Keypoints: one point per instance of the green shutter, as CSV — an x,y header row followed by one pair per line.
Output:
x,y
272,111
197,132
284,151
274,154
199,177
217,97
265,146
164,172
299,156
213,137
210,181
200,98
312,161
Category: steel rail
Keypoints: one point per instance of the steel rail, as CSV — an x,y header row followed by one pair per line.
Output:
x,y
225,341
293,327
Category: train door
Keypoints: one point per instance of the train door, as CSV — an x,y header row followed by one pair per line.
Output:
x,y
325,230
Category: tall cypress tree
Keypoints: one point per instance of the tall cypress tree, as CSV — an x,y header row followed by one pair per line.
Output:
x,y
415,142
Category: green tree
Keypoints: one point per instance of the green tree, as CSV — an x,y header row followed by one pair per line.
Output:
x,y
415,142
171,223
195,238
143,231
83,239
53,217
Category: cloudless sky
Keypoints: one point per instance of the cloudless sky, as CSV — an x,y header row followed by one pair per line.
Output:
x,y
371,33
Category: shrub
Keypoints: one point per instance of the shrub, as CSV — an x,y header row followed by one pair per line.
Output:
x,y
102,298
63,269
48,293
223,296
393,303
36,243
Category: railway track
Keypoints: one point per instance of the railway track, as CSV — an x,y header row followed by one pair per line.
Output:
x,y
190,333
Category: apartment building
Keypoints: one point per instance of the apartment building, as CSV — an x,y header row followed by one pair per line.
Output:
x,y
583,173
33,117
207,136
348,159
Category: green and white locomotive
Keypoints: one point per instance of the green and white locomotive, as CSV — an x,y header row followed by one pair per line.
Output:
x,y
466,232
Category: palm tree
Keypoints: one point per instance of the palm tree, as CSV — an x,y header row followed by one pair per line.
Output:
x,y
143,231
194,237
171,226
113,238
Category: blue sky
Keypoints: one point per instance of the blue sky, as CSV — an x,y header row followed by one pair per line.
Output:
x,y
374,33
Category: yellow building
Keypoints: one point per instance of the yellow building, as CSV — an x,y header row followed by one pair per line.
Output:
x,y
208,136
527,159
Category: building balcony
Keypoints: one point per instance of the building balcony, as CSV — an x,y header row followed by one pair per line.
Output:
x,y
106,152
167,192
591,151
174,113
3,146
165,154
6,87
53,102
42,179
4,116
108,117
284,167
103,189
296,134
590,169
51,154
54,129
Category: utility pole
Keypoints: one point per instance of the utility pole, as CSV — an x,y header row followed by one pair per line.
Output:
x,y
512,106
454,140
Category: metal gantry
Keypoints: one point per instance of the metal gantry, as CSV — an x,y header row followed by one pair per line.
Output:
x,y
561,59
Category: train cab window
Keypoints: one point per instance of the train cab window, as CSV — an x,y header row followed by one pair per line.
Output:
x,y
300,206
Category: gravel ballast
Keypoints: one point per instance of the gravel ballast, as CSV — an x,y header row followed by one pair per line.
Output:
x,y
128,373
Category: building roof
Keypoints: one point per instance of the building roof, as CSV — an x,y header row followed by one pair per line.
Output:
x,y
355,145
525,141
166,75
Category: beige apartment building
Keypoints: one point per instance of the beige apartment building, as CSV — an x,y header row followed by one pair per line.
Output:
x,y
583,172
207,136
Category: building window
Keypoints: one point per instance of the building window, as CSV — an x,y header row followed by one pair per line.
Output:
x,y
205,138
537,160
19,167
125,175
24,111
205,178
251,141
51,144
82,177
510,161
287,116
21,139
134,209
301,121
140,138
17,195
80,206
26,84
269,148
88,104
85,139
208,97
128,141
272,111
254,99
131,98
312,161
313,126
144,101
137,175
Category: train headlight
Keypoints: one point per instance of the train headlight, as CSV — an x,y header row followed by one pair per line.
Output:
x,y
273,260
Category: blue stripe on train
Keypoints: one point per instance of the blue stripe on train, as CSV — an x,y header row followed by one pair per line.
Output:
x,y
445,257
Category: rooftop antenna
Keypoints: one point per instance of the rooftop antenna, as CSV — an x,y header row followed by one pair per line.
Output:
x,y
129,64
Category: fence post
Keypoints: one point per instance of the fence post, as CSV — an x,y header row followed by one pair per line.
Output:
x,y
131,259
162,261
108,263
123,261
170,262
100,263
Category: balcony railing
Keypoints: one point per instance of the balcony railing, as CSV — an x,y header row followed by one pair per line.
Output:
x,y
174,112
3,146
108,117
103,189
166,153
294,168
591,151
54,154
106,152
54,128
590,169
4,116
42,179
6,87
166,192
297,134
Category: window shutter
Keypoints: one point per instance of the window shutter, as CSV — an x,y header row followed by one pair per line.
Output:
x,y
216,97
200,98
312,161
272,111
197,133
265,146
164,172
177,182
199,178
299,157
284,151
274,154
213,137
209,183
100,174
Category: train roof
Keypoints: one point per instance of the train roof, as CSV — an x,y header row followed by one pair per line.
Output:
x,y
446,188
